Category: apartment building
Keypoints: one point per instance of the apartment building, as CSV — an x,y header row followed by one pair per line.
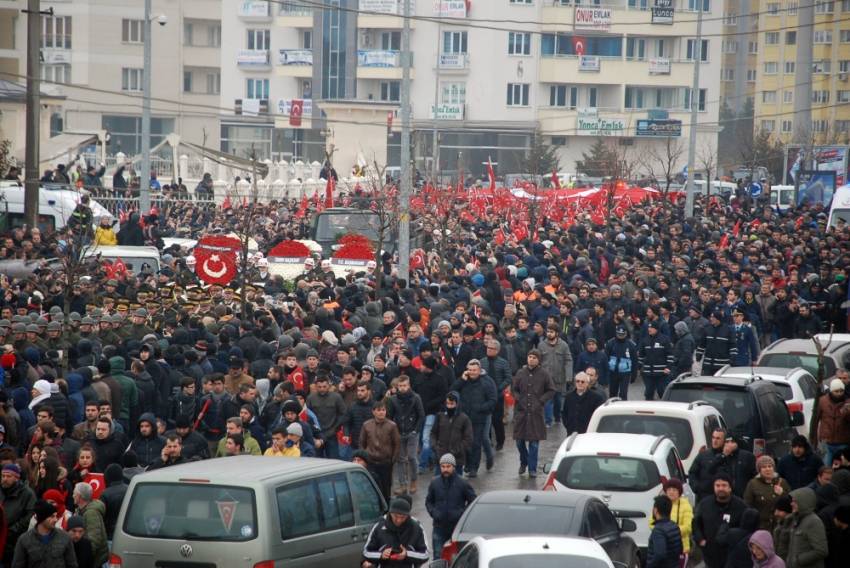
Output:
x,y
777,60
92,56
739,48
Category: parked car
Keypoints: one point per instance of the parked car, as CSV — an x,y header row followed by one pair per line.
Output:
x,y
247,512
688,424
625,471
792,353
522,552
753,409
538,513
797,386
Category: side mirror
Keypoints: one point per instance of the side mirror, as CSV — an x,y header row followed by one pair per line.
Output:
x,y
547,467
628,525
797,419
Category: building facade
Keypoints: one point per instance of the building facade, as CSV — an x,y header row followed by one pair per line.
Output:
x,y
740,54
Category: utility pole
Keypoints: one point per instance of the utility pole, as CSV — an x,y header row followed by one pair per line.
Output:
x,y
435,142
145,174
692,137
803,79
33,111
404,194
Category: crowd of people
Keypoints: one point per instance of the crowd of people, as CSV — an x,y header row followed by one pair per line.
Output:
x,y
117,371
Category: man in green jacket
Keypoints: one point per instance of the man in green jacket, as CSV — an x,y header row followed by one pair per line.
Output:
x,y
129,392
92,512
808,547
234,426
44,545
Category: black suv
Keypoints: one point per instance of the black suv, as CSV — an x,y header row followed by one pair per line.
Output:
x,y
753,410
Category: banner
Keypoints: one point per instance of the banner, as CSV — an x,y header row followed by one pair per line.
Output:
x,y
295,112
284,107
450,8
295,57
447,112
377,58
590,125
382,6
816,187
216,258
589,63
592,18
658,128
832,159
662,12
659,66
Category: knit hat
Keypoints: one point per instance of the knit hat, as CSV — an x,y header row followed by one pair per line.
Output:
x,y
329,337
448,459
836,385
12,468
75,522
722,477
400,506
295,429
764,461
290,406
361,454
680,327
42,386
43,510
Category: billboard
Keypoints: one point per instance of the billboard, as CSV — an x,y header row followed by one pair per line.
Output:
x,y
816,187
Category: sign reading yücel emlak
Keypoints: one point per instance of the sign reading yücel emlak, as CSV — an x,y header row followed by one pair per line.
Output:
x,y
592,18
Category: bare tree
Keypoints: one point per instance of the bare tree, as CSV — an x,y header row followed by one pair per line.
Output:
x,y
765,150
663,163
707,157
383,201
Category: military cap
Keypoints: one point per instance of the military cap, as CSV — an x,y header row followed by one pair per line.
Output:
x,y
122,307
42,322
5,323
74,316
54,326
32,328
87,321
141,312
115,318
19,328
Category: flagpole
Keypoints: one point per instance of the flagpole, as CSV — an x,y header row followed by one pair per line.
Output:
x,y
692,135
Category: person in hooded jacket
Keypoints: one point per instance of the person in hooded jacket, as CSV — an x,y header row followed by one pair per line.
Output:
x,y
130,233
712,512
77,401
683,349
148,443
129,392
737,539
108,445
113,496
397,539
148,394
800,467
808,546
762,552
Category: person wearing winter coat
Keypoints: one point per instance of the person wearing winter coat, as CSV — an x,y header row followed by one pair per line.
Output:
x,y
498,369
714,511
452,432
737,540
665,540
764,489
800,467
593,357
717,347
44,546
113,496
746,342
808,546
479,398
397,539
108,446
579,405
683,349
622,362
555,357
737,463
834,424
147,444
681,512
18,502
448,497
532,388
761,549
838,538
104,235
703,469
655,356
405,409
92,513
432,388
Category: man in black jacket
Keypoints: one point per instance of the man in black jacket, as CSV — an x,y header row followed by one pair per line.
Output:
x,y
359,412
655,355
478,392
701,474
499,370
448,497
717,347
397,540
432,389
579,405
405,409
711,514
195,447
665,541
800,467
113,496
737,463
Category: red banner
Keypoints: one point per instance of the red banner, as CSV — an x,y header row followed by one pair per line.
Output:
x,y
296,111
216,258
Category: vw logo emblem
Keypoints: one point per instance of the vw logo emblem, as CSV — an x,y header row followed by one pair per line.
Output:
x,y
186,551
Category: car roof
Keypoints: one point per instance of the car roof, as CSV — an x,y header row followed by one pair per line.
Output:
x,y
742,382
623,444
770,373
835,342
615,405
554,498
514,545
241,470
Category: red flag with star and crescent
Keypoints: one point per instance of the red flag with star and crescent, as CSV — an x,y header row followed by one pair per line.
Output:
x,y
491,174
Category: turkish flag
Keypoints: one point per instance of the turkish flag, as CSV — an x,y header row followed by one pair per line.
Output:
x,y
216,258
491,174
97,482
296,111
555,181
579,44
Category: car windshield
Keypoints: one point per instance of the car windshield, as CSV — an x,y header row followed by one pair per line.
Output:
x,y
792,360
734,404
608,473
547,561
493,519
677,429
191,512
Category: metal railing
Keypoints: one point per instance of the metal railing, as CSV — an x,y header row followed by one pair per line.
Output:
x,y
123,205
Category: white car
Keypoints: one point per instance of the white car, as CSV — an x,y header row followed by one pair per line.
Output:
x,y
626,471
688,424
797,386
522,552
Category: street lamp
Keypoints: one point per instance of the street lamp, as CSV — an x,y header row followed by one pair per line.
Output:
x,y
145,177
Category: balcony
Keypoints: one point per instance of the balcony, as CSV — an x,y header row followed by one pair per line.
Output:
x,y
295,63
295,15
253,59
454,62
603,70
383,14
254,11
251,107
379,64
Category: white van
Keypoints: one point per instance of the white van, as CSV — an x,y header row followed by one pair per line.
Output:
x,y
716,188
54,206
840,208
134,258
782,196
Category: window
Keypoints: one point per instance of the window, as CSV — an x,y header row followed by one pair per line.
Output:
x,y
608,473
638,4
634,97
771,67
365,497
822,66
825,36
518,94
677,429
771,38
453,93
591,97
519,43
259,39
563,96
390,91
842,126
56,32
791,10
131,79
768,97
824,7
728,74
188,33
257,89
601,521
693,5
391,41
820,125
187,81
768,125
844,35
787,97
787,125
132,31
59,73
730,19
844,66
314,506
455,42
790,38
238,140
635,48
730,46
214,36
751,75
213,83
845,5
703,52
820,96
753,47
790,67
773,8
559,141
307,39
661,48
